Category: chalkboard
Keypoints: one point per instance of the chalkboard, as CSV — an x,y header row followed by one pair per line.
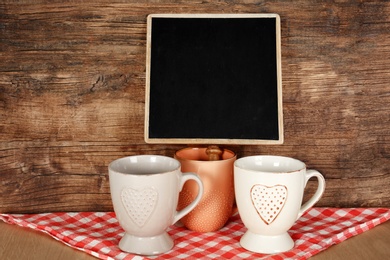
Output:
x,y
213,79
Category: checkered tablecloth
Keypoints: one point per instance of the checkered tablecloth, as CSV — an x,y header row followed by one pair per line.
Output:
x,y
98,233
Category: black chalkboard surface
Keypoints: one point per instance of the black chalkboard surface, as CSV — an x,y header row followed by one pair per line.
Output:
x,y
213,79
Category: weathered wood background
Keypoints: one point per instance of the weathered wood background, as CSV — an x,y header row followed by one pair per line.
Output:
x,y
72,86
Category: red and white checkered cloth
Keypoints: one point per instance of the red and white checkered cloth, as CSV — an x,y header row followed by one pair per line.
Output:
x,y
98,233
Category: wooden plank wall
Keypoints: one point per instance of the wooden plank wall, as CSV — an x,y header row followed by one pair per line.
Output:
x,y
72,86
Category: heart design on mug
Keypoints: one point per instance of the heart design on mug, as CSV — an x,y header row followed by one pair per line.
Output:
x,y
268,201
139,204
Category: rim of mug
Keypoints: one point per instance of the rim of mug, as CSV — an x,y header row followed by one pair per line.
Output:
x,y
234,155
271,156
144,156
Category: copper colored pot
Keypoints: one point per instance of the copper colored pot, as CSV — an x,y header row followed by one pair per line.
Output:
x,y
216,205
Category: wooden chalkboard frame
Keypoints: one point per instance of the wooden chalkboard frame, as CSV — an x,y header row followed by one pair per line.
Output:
x,y
276,137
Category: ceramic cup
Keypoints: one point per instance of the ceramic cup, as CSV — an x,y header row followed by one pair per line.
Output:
x,y
269,192
216,205
145,191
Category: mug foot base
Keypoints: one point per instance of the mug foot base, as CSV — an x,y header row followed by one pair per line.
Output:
x,y
146,245
266,244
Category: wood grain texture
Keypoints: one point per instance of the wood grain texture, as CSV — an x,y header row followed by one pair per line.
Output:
x,y
72,86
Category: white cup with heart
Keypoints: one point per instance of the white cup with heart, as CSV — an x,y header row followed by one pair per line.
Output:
x,y
145,192
269,192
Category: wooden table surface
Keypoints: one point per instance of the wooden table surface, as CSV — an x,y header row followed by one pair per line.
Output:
x,y
22,243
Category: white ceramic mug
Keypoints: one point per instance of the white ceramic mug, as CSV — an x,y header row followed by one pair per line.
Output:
x,y
269,192
145,191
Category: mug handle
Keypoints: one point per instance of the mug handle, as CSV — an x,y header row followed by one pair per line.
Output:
x,y
186,177
317,195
